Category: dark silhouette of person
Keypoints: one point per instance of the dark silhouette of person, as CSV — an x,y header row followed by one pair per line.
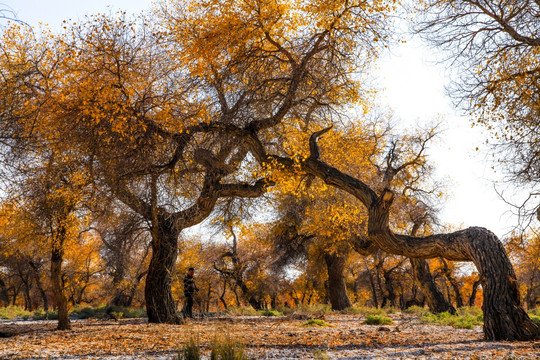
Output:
x,y
189,291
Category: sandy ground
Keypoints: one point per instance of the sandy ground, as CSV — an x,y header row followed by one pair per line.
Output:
x,y
264,337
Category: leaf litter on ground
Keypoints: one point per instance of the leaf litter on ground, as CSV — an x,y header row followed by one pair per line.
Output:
x,y
264,337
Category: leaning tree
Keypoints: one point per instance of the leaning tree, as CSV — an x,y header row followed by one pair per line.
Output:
x,y
504,317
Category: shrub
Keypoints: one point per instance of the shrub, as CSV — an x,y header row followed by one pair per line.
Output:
x,y
285,310
472,311
416,310
191,350
378,320
117,315
227,348
536,319
45,315
316,322
14,311
465,318
363,310
390,310
134,313
268,312
84,312
106,311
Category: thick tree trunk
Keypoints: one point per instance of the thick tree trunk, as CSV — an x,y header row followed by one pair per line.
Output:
x,y
434,297
160,304
59,292
16,291
208,298
120,297
337,290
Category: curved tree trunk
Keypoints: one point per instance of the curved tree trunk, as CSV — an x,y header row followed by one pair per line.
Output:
x,y
337,290
434,297
504,318
57,257
160,304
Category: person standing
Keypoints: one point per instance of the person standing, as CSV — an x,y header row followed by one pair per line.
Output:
x,y
189,291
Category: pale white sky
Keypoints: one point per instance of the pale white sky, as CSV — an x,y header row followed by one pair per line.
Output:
x,y
414,90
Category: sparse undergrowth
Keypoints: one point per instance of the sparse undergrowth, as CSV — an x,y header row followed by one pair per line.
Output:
x,y
12,312
105,312
191,350
78,312
366,311
222,348
415,310
227,348
535,315
263,338
316,323
269,312
378,320
465,318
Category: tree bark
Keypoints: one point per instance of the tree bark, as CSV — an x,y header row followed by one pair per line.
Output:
x,y
59,292
160,304
435,299
337,289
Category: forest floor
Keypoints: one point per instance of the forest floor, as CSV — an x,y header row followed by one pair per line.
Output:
x,y
264,338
